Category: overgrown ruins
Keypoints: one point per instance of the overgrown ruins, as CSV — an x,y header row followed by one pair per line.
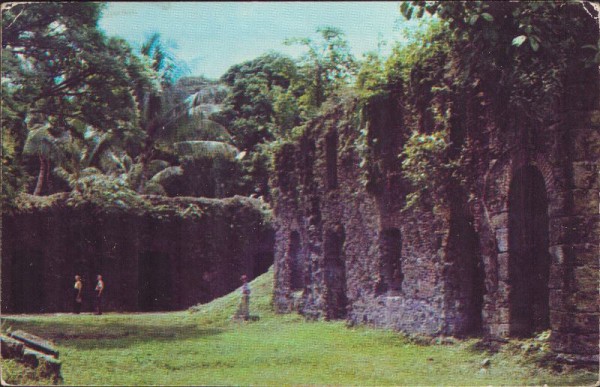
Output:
x,y
512,253
177,253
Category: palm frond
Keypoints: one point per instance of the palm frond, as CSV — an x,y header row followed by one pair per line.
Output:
x,y
156,166
134,175
69,178
110,162
41,142
99,143
153,188
166,174
91,171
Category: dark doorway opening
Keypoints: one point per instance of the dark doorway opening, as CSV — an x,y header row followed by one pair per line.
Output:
x,y
154,281
335,273
295,263
28,282
529,261
466,273
390,247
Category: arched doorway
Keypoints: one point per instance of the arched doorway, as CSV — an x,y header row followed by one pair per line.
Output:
x,y
529,260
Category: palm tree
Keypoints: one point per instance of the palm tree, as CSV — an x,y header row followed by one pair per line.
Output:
x,y
42,143
176,122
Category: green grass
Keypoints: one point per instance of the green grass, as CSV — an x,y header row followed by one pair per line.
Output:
x,y
14,372
205,347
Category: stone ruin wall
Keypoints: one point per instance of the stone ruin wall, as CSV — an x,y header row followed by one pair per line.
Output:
x,y
150,259
311,277
460,268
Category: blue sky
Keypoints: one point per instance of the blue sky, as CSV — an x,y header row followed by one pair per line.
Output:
x,y
212,36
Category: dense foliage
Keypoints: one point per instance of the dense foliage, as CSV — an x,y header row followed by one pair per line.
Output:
x,y
60,75
474,59
81,110
78,106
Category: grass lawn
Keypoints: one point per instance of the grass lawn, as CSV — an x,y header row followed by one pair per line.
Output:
x,y
204,347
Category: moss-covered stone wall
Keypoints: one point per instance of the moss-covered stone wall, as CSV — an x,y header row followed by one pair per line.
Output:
x,y
511,253
174,253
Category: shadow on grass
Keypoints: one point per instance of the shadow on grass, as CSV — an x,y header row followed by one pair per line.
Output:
x,y
84,335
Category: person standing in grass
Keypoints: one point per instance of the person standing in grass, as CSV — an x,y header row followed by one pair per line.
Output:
x,y
78,288
245,305
99,291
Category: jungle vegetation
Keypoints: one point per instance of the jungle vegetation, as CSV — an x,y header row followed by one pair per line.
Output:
x,y
86,113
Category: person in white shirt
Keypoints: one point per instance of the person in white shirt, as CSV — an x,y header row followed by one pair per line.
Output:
x,y
245,305
78,289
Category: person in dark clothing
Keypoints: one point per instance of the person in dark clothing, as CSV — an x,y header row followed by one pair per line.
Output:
x,y
78,290
99,291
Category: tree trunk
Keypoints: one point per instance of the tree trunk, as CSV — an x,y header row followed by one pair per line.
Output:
x,y
41,177
47,179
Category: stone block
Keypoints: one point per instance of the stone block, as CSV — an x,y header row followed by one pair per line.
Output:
x,y
585,201
559,205
30,357
47,365
502,239
503,271
585,322
35,342
586,279
585,301
503,315
499,220
583,344
11,348
503,293
585,174
587,144
575,230
586,254
557,277
560,321
557,300
558,253
500,330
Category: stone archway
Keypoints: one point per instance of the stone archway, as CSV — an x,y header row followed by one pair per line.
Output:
x,y
529,260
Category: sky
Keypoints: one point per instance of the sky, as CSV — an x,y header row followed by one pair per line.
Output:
x,y
210,37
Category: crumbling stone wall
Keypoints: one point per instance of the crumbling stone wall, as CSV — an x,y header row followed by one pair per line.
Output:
x,y
321,213
526,228
175,254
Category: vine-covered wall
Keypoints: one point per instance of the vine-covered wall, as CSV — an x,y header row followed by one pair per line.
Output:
x,y
174,254
487,226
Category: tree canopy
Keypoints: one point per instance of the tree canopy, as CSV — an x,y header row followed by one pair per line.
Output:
x,y
83,110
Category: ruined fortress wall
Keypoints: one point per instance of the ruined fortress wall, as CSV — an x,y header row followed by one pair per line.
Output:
x,y
160,258
517,254
355,280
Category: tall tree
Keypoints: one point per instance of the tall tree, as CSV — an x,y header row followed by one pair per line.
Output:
x,y
326,65
58,66
250,110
